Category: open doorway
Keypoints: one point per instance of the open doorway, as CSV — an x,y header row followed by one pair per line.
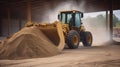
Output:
x,y
96,23
116,25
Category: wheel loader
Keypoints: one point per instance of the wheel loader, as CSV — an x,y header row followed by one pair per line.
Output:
x,y
68,30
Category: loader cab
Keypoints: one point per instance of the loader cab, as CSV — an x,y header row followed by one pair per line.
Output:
x,y
73,18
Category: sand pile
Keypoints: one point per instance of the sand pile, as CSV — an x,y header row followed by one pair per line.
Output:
x,y
30,42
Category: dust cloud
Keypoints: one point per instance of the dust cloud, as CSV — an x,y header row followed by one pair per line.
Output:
x,y
51,14
100,34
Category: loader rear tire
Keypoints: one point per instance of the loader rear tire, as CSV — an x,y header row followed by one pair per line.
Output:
x,y
87,39
73,39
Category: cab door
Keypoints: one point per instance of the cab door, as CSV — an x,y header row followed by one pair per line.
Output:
x,y
77,19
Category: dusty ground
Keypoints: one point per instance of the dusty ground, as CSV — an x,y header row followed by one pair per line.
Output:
x,y
96,56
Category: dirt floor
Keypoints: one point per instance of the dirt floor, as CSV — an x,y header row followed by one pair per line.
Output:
x,y
96,56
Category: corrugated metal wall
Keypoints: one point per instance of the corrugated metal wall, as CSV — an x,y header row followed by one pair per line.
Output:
x,y
13,18
14,15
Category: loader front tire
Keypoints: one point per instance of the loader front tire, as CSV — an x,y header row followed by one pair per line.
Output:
x,y
73,39
87,39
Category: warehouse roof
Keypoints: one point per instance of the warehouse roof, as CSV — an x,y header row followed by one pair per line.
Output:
x,y
101,4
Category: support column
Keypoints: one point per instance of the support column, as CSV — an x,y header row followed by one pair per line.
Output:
x,y
111,21
20,24
107,18
0,27
28,12
9,21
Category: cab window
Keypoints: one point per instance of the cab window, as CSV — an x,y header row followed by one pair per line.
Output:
x,y
77,20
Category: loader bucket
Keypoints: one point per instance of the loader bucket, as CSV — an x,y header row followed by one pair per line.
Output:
x,y
54,33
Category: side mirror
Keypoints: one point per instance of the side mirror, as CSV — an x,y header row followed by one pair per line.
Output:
x,y
81,15
81,23
58,16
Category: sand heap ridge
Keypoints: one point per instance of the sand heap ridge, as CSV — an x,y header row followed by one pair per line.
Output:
x,y
29,42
